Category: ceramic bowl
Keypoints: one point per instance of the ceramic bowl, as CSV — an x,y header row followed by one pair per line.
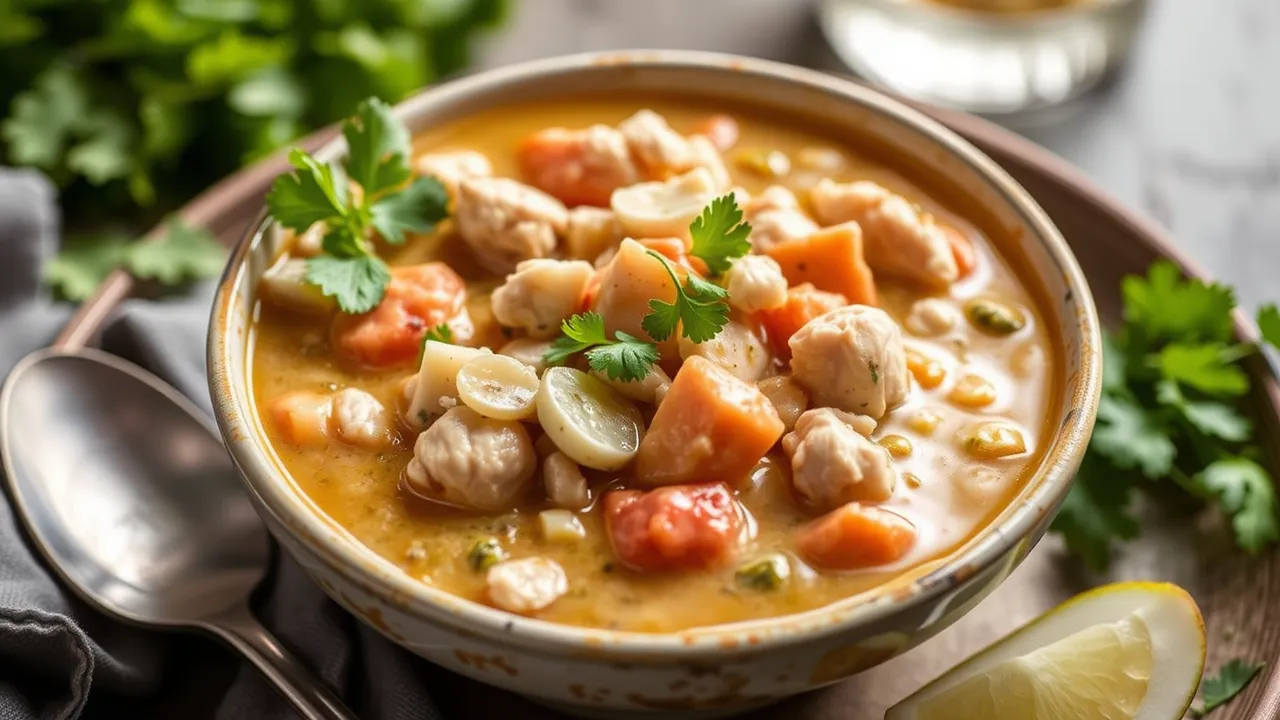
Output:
x,y
723,669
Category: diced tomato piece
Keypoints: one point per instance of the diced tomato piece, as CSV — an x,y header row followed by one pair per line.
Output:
x,y
804,303
419,298
855,536
680,527
721,130
563,163
961,249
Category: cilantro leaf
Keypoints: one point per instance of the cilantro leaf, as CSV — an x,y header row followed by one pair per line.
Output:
x,y
181,253
719,235
44,118
1096,512
377,148
1269,324
1245,491
1206,367
83,262
417,208
1165,306
440,333
358,283
1230,681
626,358
1130,436
1217,420
317,192
700,308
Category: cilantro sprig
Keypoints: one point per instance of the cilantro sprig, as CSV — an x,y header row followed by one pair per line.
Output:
x,y
1230,681
719,235
1170,417
625,357
701,308
389,204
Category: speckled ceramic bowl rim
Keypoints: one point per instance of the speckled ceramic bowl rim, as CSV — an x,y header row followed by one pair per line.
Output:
x,y
277,495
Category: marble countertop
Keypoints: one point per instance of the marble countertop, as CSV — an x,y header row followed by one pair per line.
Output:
x,y
1188,132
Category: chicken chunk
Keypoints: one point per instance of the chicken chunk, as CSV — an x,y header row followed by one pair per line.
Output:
x,y
788,398
755,282
832,463
662,209
665,153
475,462
776,217
852,358
651,388
451,168
526,585
564,482
737,348
590,232
900,239
359,419
579,167
504,221
774,197
540,294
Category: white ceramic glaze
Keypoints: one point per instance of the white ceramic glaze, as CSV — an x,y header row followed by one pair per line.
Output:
x,y
714,670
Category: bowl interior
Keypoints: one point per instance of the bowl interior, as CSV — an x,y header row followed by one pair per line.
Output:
x,y
934,158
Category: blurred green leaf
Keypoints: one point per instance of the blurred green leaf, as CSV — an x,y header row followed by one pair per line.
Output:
x,y
165,125
104,155
182,253
82,263
43,118
232,57
272,92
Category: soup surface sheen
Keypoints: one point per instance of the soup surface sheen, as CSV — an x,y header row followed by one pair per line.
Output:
x,y
943,487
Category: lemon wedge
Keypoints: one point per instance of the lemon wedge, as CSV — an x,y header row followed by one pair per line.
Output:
x,y
1127,651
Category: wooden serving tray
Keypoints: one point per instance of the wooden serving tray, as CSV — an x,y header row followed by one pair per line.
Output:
x,y
1239,596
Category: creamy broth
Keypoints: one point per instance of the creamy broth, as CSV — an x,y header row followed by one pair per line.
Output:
x,y
946,494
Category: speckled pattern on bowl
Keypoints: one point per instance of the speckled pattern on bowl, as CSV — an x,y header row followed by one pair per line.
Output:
x,y
723,669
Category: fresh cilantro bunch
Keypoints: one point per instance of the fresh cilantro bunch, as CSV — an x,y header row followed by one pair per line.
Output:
x,y
700,310
180,253
1170,415
133,106
377,160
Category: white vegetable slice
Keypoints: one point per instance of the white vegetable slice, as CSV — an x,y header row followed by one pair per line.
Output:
x,y
437,380
498,387
561,526
663,209
527,351
588,420
285,285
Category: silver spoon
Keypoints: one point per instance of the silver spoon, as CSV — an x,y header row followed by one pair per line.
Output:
x,y
126,488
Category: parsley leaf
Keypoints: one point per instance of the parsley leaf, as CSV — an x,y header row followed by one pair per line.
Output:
x,y
1096,512
1244,491
317,192
1269,324
1207,367
377,148
719,235
1166,306
1230,681
417,208
357,283
182,253
700,308
1130,436
625,358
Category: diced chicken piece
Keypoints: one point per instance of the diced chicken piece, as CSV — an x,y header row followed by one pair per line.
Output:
x,y
788,398
504,221
737,348
526,585
564,482
451,168
579,167
774,197
590,232
680,527
302,417
900,240
721,130
540,294
663,208
359,419
472,461
664,152
755,283
630,280
932,316
770,228
649,389
852,358
832,464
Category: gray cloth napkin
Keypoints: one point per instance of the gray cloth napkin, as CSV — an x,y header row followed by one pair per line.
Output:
x,y
61,659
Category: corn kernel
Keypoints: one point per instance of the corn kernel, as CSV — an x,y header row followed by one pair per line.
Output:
x,y
897,445
928,372
912,480
972,391
992,440
925,421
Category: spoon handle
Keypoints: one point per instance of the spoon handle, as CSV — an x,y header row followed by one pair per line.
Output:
x,y
308,693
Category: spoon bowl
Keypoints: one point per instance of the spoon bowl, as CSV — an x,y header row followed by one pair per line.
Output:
x,y
125,487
